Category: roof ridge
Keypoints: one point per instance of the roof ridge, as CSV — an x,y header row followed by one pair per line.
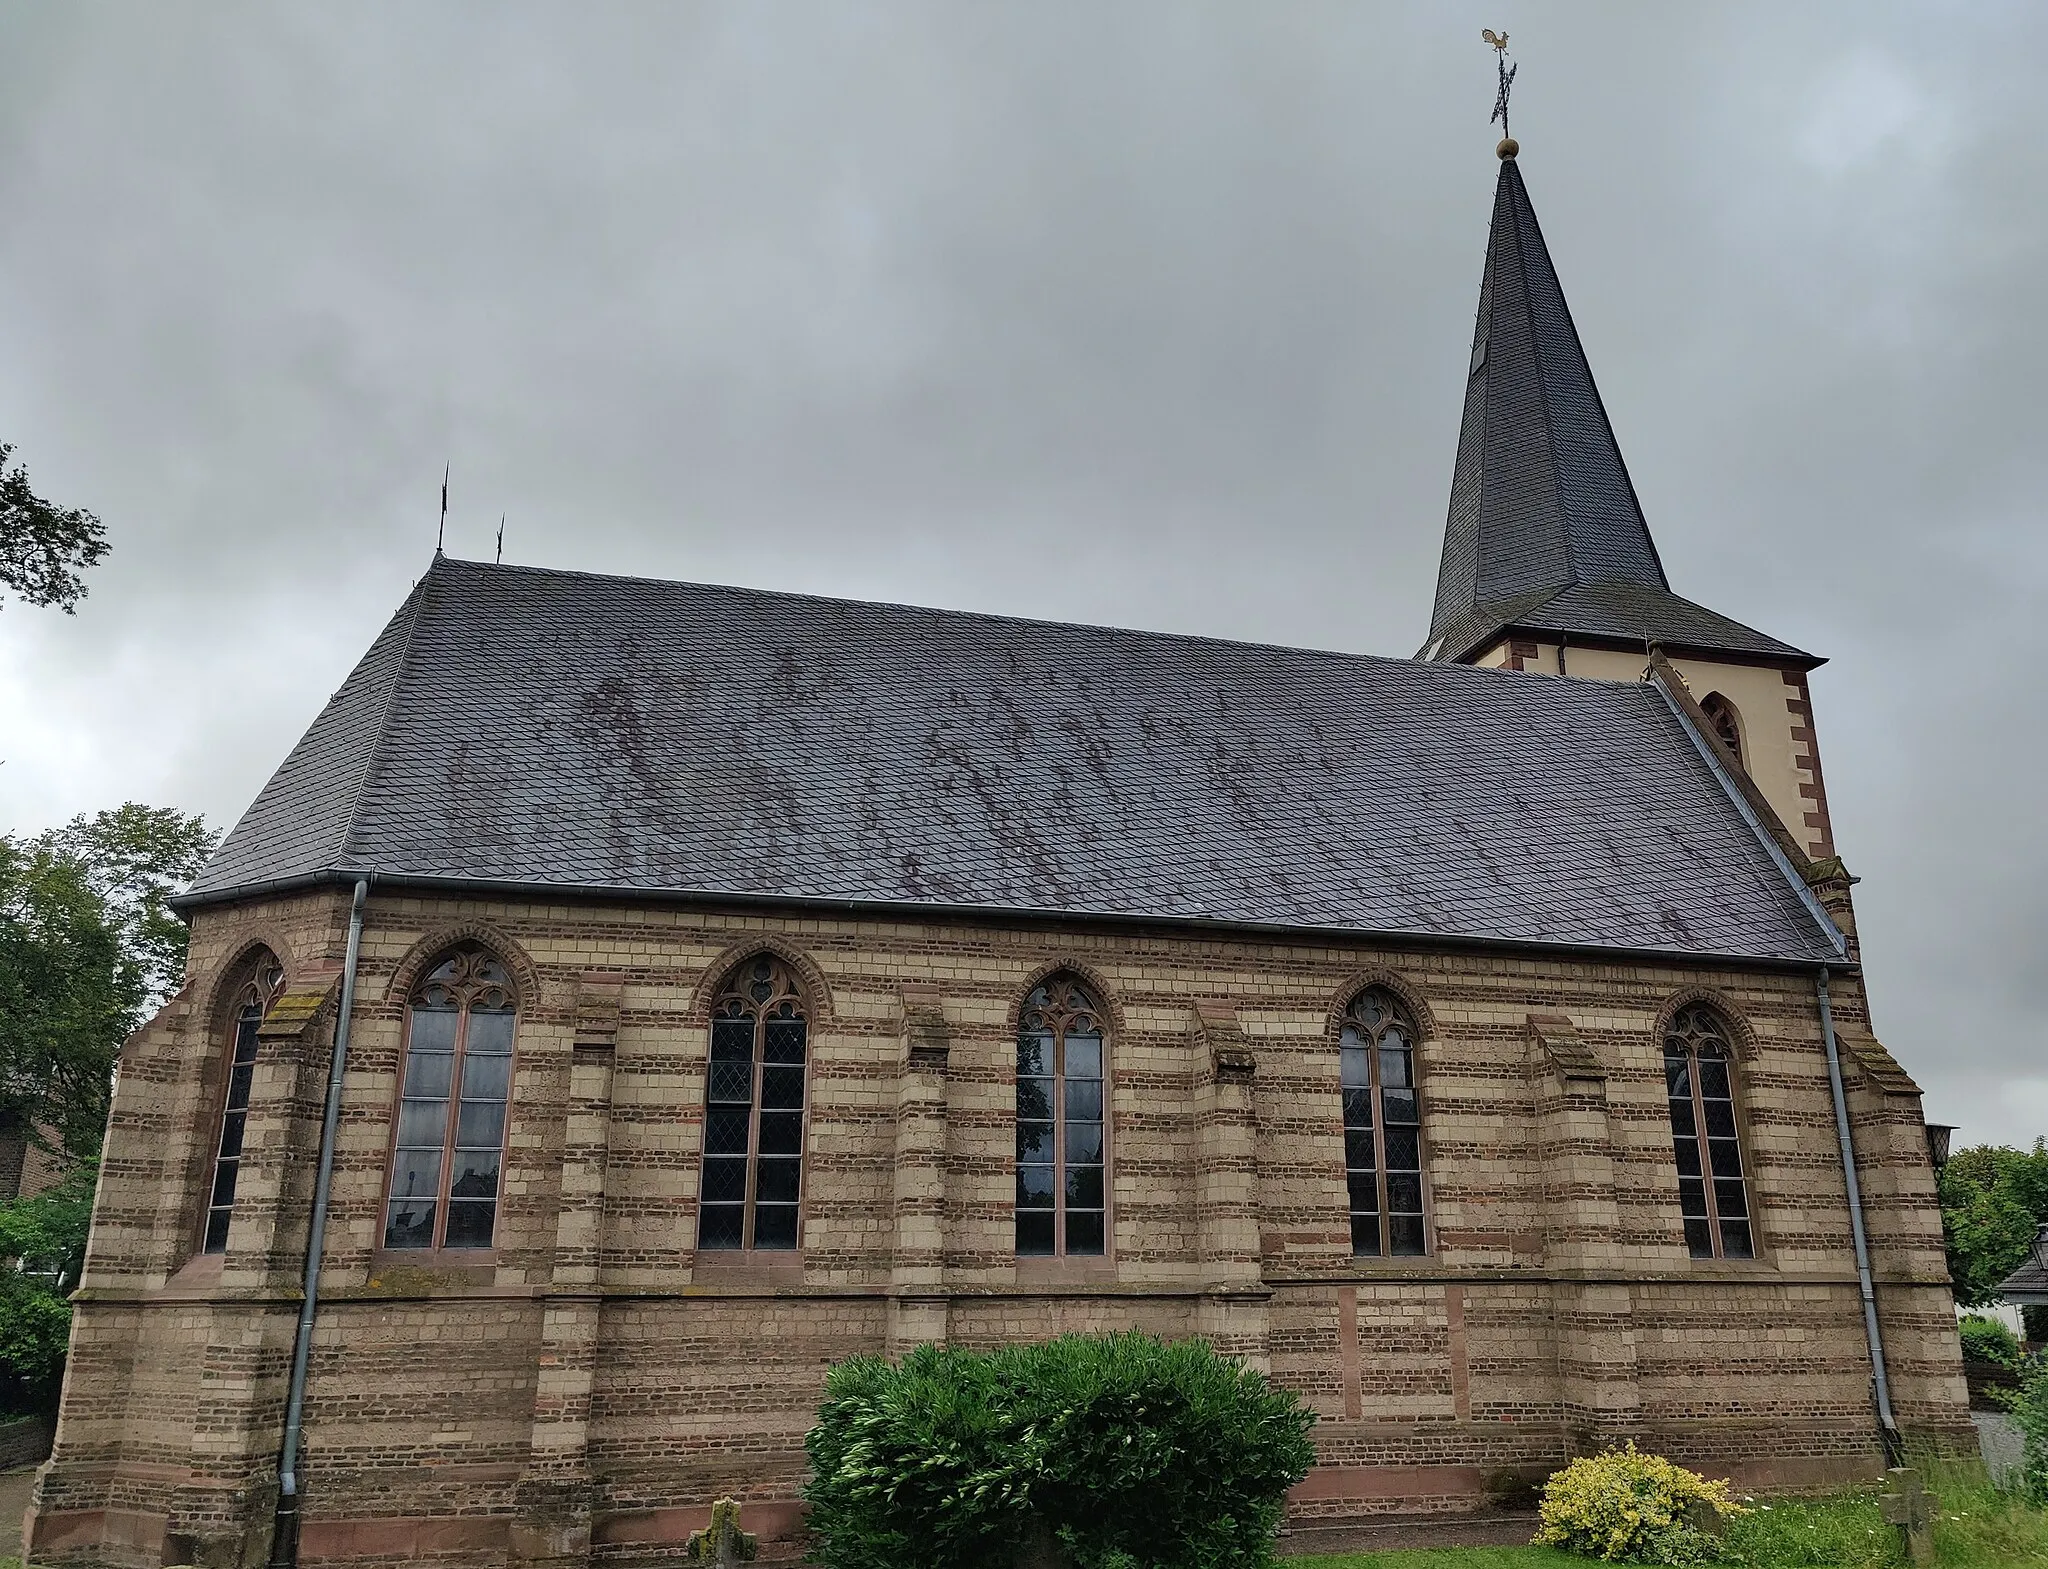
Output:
x,y
415,603
1249,645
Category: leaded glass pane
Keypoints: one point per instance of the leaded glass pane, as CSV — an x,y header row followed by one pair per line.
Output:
x,y
1034,1054
725,1130
470,1222
775,1227
1035,1232
1365,1234
782,1133
486,1078
1034,1187
1084,1232
783,1041
775,1180
725,1180
722,1226
1034,1141
490,1034
1084,1187
782,1088
429,1073
410,1224
476,1174
1084,1057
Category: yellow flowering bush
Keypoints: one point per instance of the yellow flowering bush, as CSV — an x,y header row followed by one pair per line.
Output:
x,y
1625,1506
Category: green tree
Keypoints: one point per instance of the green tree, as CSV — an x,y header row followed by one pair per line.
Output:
x,y
136,858
44,548
44,1239
1993,1200
69,995
88,946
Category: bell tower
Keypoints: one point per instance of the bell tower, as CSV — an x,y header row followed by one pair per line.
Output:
x,y
1548,565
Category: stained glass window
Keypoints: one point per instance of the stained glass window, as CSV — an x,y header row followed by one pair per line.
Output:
x,y
754,1113
448,1150
1061,1123
266,980
1713,1196
1382,1128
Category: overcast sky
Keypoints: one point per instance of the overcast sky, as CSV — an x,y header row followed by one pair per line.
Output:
x,y
1149,314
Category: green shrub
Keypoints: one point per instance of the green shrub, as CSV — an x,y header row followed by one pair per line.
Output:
x,y
1987,1340
1132,1451
2029,1407
1625,1506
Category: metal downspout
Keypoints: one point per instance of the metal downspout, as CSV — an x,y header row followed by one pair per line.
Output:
x,y
284,1532
1894,1450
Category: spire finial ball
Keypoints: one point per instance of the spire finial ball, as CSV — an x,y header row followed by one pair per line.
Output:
x,y
1508,147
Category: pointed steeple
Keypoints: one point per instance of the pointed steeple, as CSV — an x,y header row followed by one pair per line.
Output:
x,y
1545,533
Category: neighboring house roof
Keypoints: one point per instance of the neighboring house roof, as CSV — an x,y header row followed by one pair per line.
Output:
x,y
2026,1286
519,726
1545,533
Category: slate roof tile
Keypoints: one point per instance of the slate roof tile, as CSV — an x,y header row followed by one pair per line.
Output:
x,y
1545,532
518,725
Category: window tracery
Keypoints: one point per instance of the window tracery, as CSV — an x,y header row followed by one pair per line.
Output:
x,y
754,1096
1382,1127
1062,1165
1713,1191
448,1148
251,1002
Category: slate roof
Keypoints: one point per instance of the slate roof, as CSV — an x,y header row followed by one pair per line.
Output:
x,y
1545,533
520,726
2027,1285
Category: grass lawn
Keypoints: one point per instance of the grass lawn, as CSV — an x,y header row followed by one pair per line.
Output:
x,y
1978,1529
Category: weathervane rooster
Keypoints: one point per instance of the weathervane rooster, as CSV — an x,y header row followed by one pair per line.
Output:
x,y
1508,145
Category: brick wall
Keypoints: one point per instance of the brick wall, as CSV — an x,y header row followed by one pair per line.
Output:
x,y
586,1390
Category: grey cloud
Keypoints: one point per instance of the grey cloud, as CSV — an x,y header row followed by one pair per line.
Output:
x,y
1153,314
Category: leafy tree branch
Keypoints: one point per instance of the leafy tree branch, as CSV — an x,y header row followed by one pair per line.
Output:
x,y
44,548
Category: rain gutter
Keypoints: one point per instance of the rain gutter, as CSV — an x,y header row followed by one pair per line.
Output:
x,y
931,911
1888,1426
284,1534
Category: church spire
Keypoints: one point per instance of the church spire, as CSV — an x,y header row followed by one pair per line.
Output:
x,y
1545,532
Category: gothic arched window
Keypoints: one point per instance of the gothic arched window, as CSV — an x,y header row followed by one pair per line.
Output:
x,y
754,1112
1061,1122
245,1015
1727,725
1382,1127
1712,1195
449,1147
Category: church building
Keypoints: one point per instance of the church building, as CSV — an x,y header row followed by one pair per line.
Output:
x,y
729,982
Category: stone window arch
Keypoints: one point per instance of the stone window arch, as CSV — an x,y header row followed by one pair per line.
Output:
x,y
261,983
1713,1185
455,1086
756,1096
1382,1127
1062,1121
1727,722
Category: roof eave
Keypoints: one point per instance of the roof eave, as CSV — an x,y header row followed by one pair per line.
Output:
x,y
932,910
1793,657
